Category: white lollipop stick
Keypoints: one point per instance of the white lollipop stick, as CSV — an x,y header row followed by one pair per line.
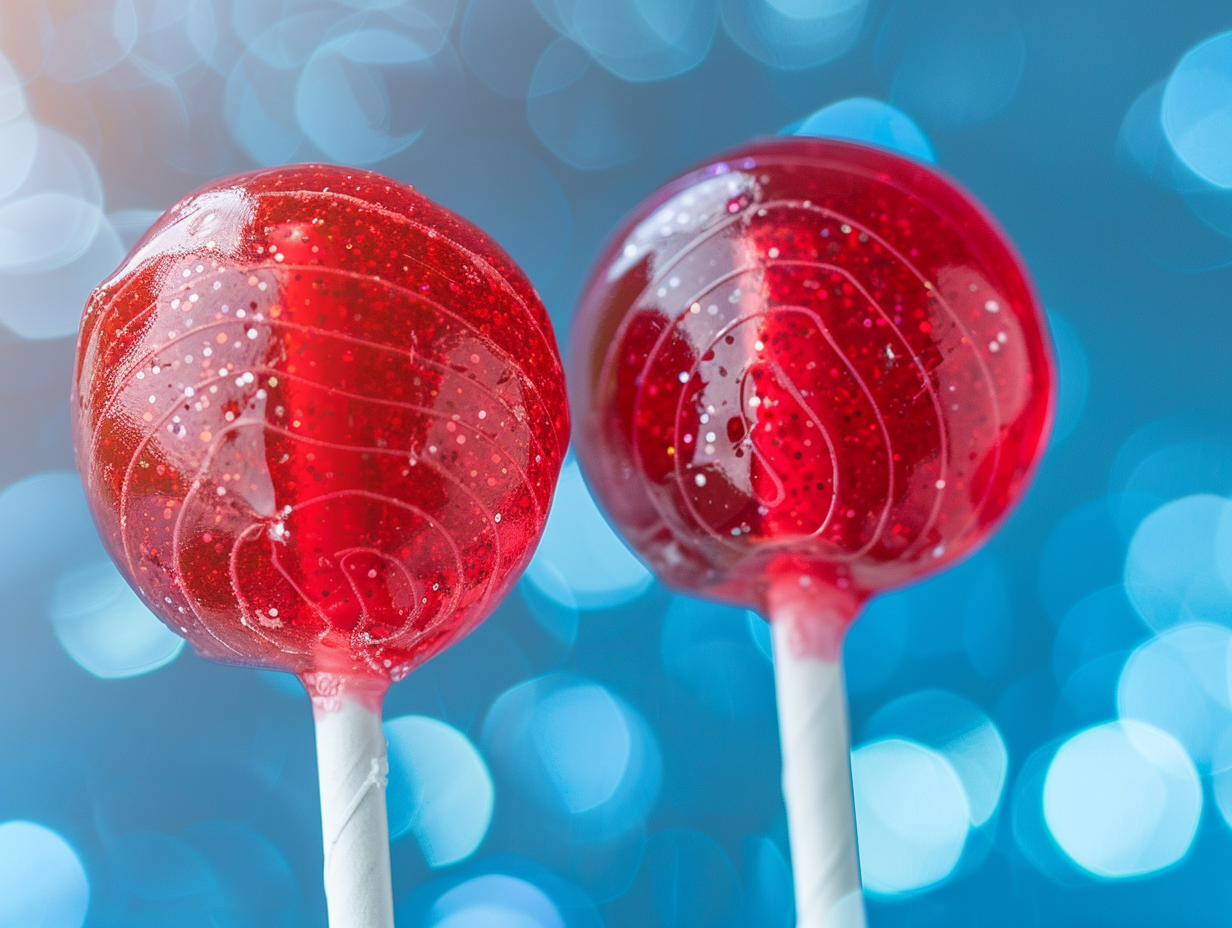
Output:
x,y
816,744
351,764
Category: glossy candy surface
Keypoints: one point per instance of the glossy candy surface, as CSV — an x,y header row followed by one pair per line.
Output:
x,y
808,361
320,420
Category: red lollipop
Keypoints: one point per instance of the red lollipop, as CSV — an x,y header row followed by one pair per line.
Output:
x,y
803,373
320,419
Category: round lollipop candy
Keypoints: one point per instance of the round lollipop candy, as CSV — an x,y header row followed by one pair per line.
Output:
x,y
320,420
803,373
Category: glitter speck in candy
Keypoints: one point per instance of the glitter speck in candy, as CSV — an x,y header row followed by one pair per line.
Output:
x,y
812,362
319,419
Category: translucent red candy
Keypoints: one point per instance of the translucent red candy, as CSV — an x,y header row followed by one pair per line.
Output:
x,y
320,420
806,361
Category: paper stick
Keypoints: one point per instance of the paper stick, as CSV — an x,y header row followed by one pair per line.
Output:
x,y
351,764
816,747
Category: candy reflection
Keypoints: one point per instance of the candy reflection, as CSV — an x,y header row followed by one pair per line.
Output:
x,y
1122,799
42,881
439,789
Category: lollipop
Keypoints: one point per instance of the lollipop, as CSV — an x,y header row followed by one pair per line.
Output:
x,y
803,373
320,420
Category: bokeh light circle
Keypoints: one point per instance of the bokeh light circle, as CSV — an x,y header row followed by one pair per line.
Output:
x,y
495,900
54,215
1197,110
912,816
48,304
1179,683
501,41
693,880
793,34
1092,644
91,42
1171,571
512,195
577,751
42,881
580,550
158,868
951,63
1073,376
863,119
638,40
105,628
258,109
593,120
19,135
367,95
718,653
45,528
959,731
439,789
1122,799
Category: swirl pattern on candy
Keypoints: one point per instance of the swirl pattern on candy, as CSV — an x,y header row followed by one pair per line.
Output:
x,y
320,420
811,361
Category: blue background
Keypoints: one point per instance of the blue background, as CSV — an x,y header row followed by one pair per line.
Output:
x,y
1043,734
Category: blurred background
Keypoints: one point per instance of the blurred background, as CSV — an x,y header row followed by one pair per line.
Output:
x,y
1042,736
